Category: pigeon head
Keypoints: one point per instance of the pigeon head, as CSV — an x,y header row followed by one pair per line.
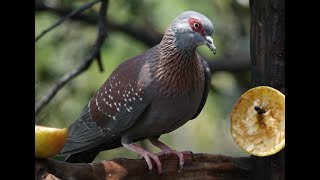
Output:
x,y
191,29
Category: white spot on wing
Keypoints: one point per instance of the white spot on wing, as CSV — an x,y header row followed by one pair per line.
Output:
x,y
114,117
134,98
140,99
118,109
97,104
128,110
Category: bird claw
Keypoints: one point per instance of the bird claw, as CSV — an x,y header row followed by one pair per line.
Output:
x,y
167,153
147,156
181,167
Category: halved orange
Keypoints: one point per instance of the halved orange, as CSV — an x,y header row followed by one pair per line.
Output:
x,y
49,141
258,121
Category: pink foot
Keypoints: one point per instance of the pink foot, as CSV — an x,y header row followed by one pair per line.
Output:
x,y
146,155
167,151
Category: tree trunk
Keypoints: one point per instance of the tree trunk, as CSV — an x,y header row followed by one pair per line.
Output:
x,y
267,48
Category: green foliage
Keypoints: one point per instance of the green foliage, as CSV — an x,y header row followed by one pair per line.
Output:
x,y
64,48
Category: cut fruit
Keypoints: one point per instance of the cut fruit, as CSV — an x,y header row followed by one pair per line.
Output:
x,y
258,121
49,141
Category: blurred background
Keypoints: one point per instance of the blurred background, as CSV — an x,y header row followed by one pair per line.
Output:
x,y
133,27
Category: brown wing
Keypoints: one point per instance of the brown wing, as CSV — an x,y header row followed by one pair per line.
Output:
x,y
114,108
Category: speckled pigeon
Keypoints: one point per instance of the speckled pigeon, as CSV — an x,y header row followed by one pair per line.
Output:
x,y
148,95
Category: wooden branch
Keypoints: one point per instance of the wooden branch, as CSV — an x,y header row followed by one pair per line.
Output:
x,y
72,13
197,166
93,54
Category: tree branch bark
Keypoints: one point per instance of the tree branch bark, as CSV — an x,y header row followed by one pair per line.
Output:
x,y
197,166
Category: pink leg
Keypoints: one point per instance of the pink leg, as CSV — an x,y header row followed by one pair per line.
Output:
x,y
167,151
146,155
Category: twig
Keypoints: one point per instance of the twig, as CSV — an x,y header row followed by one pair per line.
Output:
x,y
74,12
137,32
94,53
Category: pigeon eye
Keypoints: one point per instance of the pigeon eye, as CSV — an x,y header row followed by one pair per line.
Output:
x,y
196,25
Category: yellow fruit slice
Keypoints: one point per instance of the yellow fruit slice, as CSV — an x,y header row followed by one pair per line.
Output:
x,y
49,141
258,121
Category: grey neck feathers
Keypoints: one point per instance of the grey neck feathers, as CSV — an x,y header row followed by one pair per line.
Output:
x,y
177,71
179,40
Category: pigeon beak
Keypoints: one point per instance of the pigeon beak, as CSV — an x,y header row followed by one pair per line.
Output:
x,y
210,44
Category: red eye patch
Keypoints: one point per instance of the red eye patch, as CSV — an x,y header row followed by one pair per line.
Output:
x,y
196,25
